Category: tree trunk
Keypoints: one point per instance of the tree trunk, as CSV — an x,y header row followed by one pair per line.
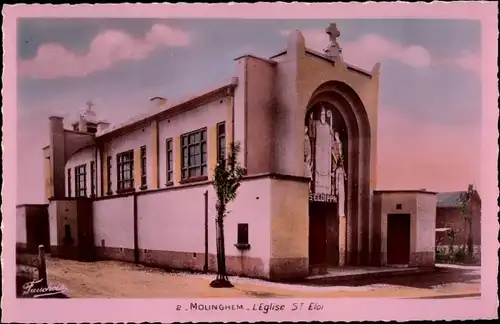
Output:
x,y
470,242
466,233
223,271
217,235
221,281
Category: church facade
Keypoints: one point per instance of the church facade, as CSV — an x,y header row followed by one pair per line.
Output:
x,y
307,126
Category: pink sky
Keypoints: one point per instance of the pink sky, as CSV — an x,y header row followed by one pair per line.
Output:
x,y
420,145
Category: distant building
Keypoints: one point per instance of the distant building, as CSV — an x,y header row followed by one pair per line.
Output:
x,y
448,217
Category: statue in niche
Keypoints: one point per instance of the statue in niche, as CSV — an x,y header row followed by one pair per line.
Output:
x,y
308,155
339,172
340,179
324,135
337,149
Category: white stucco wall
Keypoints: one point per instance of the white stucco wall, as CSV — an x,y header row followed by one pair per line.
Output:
x,y
114,222
289,120
426,224
239,108
133,140
52,209
174,220
79,158
64,209
252,206
207,115
21,225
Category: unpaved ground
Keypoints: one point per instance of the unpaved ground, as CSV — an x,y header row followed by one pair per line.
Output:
x,y
112,279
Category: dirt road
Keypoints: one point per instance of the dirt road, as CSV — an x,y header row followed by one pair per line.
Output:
x,y
112,279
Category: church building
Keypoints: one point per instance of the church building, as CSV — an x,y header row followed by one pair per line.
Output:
x,y
307,126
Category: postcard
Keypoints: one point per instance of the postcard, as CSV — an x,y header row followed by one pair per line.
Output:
x,y
250,162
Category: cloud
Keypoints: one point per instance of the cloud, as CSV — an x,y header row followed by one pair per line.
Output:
x,y
53,60
471,62
373,48
423,154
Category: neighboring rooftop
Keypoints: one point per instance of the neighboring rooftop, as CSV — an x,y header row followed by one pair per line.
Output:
x,y
449,199
404,191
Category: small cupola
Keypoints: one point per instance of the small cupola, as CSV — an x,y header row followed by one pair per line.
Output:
x,y
87,120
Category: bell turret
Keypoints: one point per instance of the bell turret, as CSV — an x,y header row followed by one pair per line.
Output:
x,y
87,120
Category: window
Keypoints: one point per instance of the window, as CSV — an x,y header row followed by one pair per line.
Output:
x,y
170,161
221,142
91,128
92,178
242,234
194,154
144,179
69,182
81,181
125,167
109,175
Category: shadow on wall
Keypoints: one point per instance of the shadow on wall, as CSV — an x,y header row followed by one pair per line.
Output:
x,y
33,228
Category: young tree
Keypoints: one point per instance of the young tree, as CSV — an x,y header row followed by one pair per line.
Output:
x,y
227,179
465,211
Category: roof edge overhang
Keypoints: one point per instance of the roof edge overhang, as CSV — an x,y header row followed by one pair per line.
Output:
x,y
172,109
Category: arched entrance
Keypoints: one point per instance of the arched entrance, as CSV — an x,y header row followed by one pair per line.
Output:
x,y
325,143
337,159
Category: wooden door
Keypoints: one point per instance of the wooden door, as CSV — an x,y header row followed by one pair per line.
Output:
x,y
317,236
398,239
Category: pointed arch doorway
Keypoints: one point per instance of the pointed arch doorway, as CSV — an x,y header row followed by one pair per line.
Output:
x,y
337,159
325,142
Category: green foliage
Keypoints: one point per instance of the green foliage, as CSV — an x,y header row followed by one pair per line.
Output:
x,y
227,179
441,255
457,254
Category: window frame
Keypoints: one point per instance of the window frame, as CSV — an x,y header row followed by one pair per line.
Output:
x,y
221,149
109,176
186,146
69,182
144,176
120,171
169,157
242,237
93,179
81,178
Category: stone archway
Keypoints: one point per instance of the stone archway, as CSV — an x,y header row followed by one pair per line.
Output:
x,y
353,230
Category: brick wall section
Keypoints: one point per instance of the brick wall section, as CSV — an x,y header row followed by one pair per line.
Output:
x,y
450,217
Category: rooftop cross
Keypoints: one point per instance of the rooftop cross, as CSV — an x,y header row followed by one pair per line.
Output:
x,y
333,32
90,104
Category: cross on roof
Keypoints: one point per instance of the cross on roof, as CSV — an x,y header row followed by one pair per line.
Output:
x,y
90,104
333,31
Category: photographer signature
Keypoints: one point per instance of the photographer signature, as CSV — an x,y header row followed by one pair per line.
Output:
x,y
34,288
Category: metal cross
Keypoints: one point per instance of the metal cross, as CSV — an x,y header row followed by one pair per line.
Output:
x,y
333,31
90,104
